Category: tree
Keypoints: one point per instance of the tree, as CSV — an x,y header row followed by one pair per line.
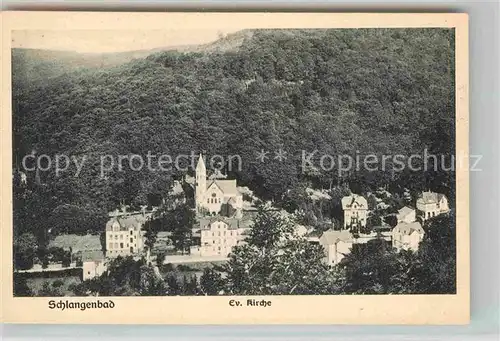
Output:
x,y
125,277
49,290
150,283
268,229
274,261
369,267
173,285
24,249
211,282
437,256
391,220
190,286
150,235
21,288
160,259
181,219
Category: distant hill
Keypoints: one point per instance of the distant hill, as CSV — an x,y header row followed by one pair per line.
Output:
x,y
40,62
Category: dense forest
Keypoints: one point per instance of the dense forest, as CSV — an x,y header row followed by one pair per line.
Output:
x,y
343,91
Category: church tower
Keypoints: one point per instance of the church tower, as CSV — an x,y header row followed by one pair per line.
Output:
x,y
201,182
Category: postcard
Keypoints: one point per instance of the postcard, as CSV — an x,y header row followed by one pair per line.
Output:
x,y
235,168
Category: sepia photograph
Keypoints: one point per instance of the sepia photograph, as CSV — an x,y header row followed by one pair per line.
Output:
x,y
243,163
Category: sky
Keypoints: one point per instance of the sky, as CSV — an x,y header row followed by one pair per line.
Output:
x,y
100,41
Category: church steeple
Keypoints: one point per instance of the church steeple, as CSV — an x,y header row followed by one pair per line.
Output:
x,y
201,181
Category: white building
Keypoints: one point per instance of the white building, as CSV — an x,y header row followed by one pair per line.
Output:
x,y
124,234
218,236
407,236
211,195
337,245
431,204
406,215
355,210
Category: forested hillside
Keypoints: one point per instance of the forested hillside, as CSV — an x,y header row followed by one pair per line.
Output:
x,y
384,91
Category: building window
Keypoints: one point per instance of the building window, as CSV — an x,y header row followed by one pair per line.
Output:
x,y
131,240
121,236
219,200
231,233
121,245
110,245
131,232
116,237
224,232
208,201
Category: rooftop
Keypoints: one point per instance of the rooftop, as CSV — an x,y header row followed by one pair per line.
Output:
x,y
232,223
430,197
408,228
228,187
350,200
133,221
405,211
331,237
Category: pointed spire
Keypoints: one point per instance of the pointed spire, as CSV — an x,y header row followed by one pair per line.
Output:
x,y
201,162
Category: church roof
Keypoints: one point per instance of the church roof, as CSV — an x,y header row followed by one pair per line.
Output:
x,y
228,187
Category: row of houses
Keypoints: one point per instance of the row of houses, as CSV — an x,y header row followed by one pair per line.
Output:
x,y
406,235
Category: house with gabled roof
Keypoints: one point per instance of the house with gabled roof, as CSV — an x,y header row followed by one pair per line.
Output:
x,y
407,236
406,215
355,210
218,236
124,233
431,204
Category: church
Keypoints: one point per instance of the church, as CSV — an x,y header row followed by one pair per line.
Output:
x,y
214,195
